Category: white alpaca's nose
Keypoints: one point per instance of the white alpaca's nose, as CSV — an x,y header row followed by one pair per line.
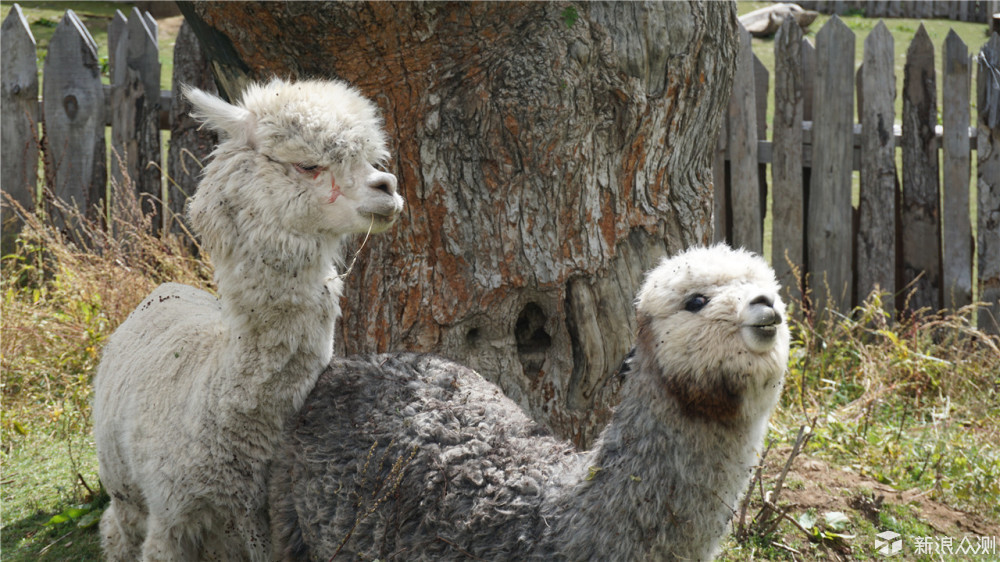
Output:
x,y
382,181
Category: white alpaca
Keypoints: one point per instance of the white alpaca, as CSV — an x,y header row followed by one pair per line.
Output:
x,y
413,457
193,390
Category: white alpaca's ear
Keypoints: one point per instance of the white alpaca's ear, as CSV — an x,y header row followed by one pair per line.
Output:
x,y
229,120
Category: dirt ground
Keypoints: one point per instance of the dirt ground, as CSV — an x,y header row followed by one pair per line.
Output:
x,y
816,484
824,487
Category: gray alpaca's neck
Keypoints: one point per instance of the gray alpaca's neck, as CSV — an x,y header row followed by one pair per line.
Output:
x,y
657,484
279,307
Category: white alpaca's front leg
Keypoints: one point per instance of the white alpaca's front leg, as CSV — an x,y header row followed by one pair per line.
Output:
x,y
166,543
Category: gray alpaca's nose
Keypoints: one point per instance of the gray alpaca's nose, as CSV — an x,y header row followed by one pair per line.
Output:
x,y
383,181
761,312
760,323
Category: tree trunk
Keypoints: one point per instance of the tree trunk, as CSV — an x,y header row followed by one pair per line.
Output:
x,y
549,153
190,145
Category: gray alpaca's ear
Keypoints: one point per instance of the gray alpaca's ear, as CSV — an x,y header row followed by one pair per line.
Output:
x,y
217,114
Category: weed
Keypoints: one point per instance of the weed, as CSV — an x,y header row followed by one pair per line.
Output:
x,y
62,294
908,404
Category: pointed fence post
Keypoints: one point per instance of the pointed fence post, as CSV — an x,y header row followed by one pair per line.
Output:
x,y
19,127
74,103
135,107
920,215
747,228
957,229
787,235
988,182
829,226
876,238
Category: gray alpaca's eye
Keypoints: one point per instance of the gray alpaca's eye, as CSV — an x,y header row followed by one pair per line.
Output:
x,y
695,303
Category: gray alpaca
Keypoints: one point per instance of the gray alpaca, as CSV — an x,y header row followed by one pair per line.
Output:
x,y
413,457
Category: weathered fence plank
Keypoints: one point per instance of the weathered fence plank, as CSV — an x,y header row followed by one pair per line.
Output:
x,y
988,184
920,212
117,31
745,195
808,78
957,228
189,147
808,89
829,212
787,235
961,10
18,128
876,237
761,81
73,100
135,107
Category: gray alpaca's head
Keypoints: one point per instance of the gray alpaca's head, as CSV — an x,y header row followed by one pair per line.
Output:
x,y
711,324
297,159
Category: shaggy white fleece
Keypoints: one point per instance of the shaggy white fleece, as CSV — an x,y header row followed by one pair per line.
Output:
x,y
414,457
193,390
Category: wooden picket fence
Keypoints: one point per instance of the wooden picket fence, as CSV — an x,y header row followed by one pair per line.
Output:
x,y
914,241
958,10
67,128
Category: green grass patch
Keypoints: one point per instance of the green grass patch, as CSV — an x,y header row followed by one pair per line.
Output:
x,y
51,498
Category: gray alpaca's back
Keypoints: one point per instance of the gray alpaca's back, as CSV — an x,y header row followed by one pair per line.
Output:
x,y
411,457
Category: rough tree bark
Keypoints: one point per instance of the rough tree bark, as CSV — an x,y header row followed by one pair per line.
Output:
x,y
190,145
548,153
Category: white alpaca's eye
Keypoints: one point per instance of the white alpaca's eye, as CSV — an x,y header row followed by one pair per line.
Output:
x,y
309,169
695,303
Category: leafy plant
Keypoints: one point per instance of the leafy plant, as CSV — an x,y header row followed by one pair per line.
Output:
x,y
570,15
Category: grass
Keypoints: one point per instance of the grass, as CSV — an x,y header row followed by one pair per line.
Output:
x,y
60,302
41,482
905,410
908,408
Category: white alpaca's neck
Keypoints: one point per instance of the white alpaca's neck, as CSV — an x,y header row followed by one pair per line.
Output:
x,y
658,484
279,306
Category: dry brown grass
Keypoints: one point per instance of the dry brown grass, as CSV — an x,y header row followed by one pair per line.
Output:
x,y
63,293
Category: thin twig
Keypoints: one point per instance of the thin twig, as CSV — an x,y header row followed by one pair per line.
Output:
x,y
456,547
763,516
354,260
758,475
53,543
84,482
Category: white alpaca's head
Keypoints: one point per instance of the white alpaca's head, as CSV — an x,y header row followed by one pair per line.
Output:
x,y
298,162
713,322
